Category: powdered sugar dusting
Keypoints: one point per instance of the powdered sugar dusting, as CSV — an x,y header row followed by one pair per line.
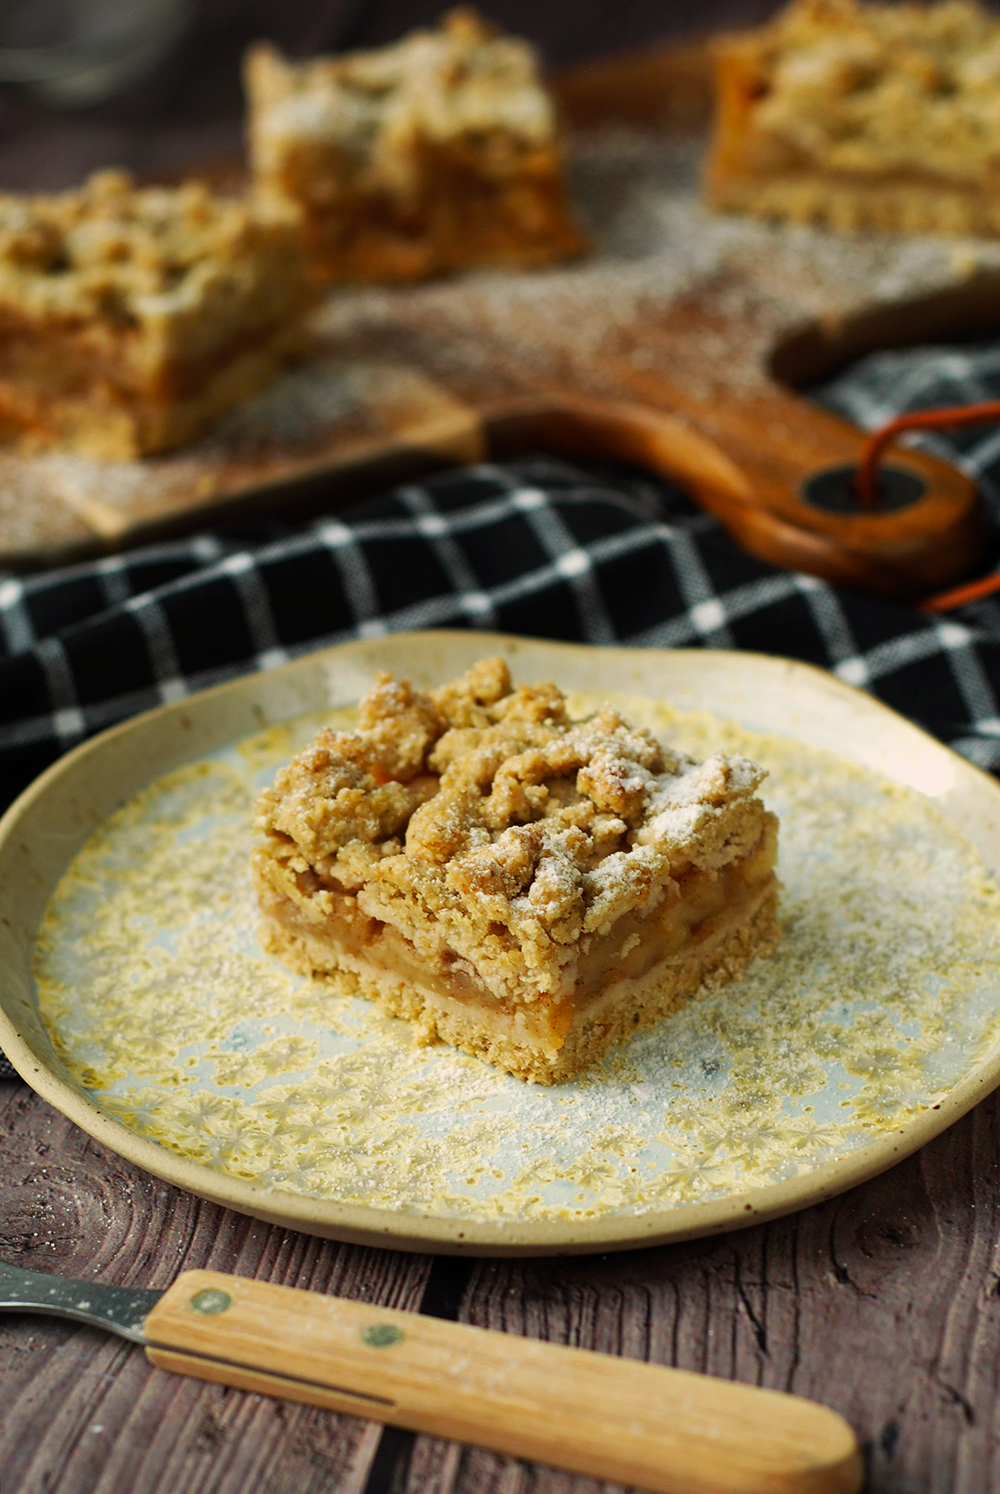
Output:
x,y
881,997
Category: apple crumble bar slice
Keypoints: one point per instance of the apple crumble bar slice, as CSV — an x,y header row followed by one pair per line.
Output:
x,y
530,888
130,318
862,116
436,153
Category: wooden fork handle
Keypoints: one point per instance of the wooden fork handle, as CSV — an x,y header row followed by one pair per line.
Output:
x,y
610,1418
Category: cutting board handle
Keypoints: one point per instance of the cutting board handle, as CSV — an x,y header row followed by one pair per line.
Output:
x,y
610,1418
749,462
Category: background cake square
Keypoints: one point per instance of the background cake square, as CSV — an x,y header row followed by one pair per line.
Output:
x,y
130,318
862,116
438,152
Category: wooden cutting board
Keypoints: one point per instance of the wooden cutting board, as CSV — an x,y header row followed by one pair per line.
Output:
x,y
678,345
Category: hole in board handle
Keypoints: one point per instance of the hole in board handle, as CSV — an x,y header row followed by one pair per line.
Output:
x,y
834,490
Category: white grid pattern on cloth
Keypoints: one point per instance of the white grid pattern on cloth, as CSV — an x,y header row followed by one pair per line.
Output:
x,y
682,631
708,617
931,641
113,577
571,562
359,583
68,721
15,620
167,673
832,624
888,384
253,593
96,718
978,463
977,692
706,612
433,526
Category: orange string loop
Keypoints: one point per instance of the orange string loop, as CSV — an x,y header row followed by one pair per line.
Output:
x,y
866,481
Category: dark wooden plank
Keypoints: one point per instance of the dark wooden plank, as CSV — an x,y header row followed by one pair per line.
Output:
x,y
883,1303
84,1413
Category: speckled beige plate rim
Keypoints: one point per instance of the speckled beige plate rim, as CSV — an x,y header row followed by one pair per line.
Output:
x,y
46,826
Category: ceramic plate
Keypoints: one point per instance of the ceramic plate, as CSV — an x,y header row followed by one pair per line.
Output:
x,y
136,999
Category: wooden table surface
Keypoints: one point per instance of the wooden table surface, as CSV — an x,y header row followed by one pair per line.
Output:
x,y
883,1303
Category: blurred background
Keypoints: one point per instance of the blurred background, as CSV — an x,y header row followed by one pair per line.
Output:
x,y
154,85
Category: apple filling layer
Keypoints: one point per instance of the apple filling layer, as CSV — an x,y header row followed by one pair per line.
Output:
x,y
529,888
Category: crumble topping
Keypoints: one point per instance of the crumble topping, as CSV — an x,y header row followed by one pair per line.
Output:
x,y
871,88
461,81
111,250
483,817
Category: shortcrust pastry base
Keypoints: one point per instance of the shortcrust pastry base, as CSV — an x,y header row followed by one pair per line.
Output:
x,y
622,1009
97,420
851,206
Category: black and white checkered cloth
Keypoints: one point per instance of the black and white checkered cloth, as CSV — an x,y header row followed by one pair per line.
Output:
x,y
533,547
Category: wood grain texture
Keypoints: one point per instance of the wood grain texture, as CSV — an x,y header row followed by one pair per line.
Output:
x,y
665,86
638,1423
882,1303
